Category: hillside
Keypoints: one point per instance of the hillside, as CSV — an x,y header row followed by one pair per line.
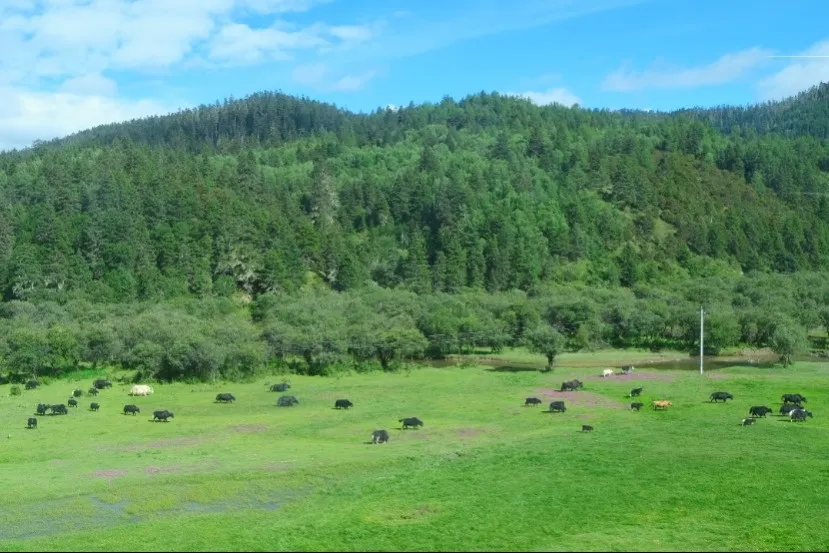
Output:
x,y
490,192
806,114
369,239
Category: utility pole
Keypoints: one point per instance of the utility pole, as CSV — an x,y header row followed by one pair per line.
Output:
x,y
701,336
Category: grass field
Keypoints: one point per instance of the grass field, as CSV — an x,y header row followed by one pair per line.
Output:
x,y
484,473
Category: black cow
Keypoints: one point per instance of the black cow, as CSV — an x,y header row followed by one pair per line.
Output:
x,y
77,393
342,404
793,398
636,392
747,422
32,423
162,415
586,428
799,415
532,401
379,437
759,411
225,398
92,391
717,396
287,401
94,406
32,384
42,408
636,406
72,402
557,406
131,409
101,384
284,387
59,409
412,422
627,370
570,385
787,408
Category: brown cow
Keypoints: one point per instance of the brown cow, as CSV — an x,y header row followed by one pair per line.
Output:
x,y
661,404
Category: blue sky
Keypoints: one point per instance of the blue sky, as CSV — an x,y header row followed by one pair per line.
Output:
x,y
66,65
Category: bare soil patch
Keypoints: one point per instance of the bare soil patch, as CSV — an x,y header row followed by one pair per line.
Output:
x,y
717,376
248,428
588,399
276,466
160,444
161,470
468,432
109,474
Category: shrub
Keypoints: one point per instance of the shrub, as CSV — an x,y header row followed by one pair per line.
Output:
x,y
15,391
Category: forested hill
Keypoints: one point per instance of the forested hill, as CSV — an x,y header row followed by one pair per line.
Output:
x,y
806,114
271,193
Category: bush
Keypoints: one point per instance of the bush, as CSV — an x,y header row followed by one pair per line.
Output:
x,y
15,391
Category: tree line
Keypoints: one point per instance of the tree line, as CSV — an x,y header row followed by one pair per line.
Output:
x,y
321,331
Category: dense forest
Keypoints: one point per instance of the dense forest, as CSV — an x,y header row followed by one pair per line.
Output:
x,y
281,231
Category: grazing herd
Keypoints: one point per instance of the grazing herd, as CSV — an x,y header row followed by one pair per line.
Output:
x,y
139,390
377,437
792,404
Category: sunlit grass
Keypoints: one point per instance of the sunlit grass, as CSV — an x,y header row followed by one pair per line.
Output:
x,y
483,473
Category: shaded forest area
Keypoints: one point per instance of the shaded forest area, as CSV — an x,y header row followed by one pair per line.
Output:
x,y
278,230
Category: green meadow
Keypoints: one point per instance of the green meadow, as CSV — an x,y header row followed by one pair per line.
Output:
x,y
484,473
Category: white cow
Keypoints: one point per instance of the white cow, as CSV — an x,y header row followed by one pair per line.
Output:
x,y
607,372
141,390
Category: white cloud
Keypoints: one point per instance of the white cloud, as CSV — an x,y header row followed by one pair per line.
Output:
x,y
93,84
661,75
352,33
318,76
242,44
27,116
550,96
801,73
57,38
